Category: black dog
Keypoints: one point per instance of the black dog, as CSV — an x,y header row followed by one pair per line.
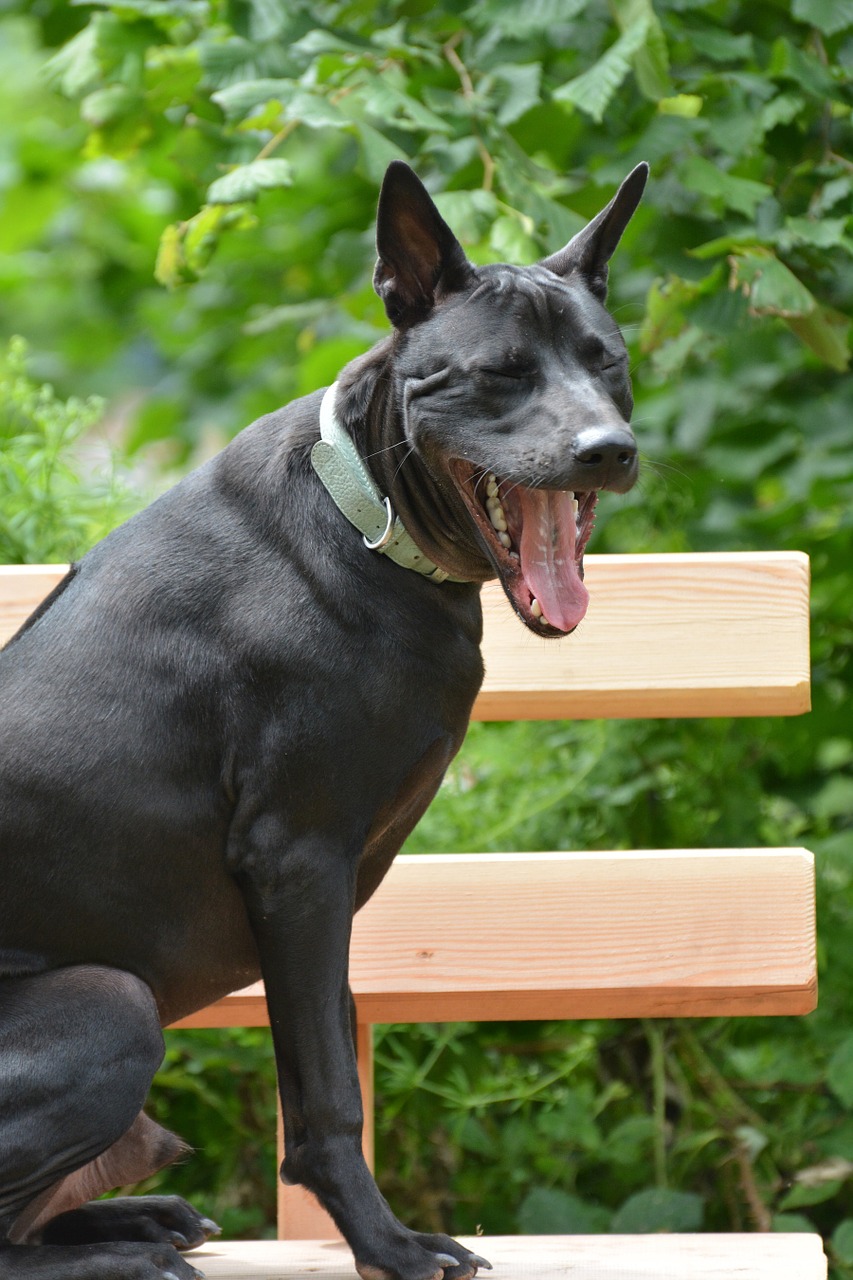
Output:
x,y
219,728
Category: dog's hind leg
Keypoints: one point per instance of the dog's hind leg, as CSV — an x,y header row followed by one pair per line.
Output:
x,y
78,1049
61,1215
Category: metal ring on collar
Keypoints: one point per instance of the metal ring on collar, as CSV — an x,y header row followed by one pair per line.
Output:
x,y
389,529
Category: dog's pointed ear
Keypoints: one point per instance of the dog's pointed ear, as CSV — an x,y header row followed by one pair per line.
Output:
x,y
419,256
589,252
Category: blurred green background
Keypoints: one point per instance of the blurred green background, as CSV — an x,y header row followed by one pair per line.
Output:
x,y
187,189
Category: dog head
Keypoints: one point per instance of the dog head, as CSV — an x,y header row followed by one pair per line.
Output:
x,y
514,388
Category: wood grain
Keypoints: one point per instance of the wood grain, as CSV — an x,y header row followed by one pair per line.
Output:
x,y
788,1256
666,635
681,933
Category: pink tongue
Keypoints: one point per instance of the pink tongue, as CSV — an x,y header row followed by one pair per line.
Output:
x,y
548,556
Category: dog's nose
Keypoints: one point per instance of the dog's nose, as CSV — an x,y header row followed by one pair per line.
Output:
x,y
606,457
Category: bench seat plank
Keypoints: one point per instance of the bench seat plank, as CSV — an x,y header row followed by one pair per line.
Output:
x,y
710,634
575,935
787,1256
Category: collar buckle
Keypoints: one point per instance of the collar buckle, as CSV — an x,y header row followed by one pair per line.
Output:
x,y
385,537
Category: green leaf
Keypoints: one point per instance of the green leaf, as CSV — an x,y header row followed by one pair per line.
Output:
x,y
593,91
820,233
392,106
237,100
782,109
842,1241
517,89
548,1211
664,316
156,8
378,151
834,753
651,61
835,797
246,181
828,16
470,213
839,1073
790,63
719,45
687,105
769,285
75,69
311,108
105,105
836,189
708,179
169,269
532,16
319,41
802,1196
791,1222
825,332
511,242
658,1209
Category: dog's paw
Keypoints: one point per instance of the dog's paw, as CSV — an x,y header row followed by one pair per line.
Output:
x,y
419,1256
112,1260
458,1263
154,1219
156,1262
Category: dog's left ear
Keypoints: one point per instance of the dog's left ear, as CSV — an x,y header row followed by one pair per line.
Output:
x,y
589,252
419,256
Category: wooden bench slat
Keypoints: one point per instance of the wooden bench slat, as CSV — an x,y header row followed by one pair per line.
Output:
x,y
666,635
669,934
787,1256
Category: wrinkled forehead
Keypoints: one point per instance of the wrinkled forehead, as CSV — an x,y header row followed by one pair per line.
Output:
x,y
531,300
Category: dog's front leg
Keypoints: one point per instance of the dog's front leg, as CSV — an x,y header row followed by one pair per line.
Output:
x,y
300,895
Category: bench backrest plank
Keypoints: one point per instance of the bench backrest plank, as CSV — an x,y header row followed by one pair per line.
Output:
x,y
712,634
575,935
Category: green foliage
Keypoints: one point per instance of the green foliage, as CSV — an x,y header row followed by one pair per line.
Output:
x,y
236,147
49,511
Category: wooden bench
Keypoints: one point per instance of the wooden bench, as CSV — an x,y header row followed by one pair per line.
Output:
x,y
564,935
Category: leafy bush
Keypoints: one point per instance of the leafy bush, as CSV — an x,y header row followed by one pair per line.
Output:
x,y
49,510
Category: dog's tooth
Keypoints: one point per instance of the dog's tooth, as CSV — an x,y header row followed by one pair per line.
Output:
x,y
505,540
575,504
535,608
498,520
492,487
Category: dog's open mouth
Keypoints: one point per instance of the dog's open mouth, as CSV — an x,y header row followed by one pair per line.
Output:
x,y
536,539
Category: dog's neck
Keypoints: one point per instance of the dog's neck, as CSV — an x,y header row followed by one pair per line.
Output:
x,y
431,513
351,486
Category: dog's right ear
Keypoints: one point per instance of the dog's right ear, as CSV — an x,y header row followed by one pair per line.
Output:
x,y
592,248
419,256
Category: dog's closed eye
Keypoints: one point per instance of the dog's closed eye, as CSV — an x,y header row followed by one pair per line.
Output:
x,y
598,355
510,369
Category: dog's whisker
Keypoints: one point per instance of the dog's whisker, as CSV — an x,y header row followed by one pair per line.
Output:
x,y
398,468
659,468
398,444
479,476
